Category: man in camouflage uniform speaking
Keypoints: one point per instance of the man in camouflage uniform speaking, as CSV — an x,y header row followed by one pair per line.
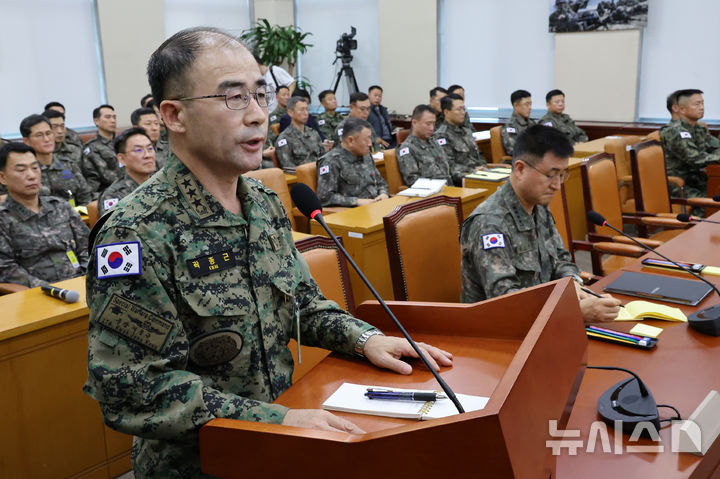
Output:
x,y
688,145
42,239
509,242
347,176
195,287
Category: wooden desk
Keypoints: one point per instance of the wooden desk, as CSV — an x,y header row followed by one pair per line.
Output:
x,y
490,185
589,148
361,229
680,371
290,179
50,428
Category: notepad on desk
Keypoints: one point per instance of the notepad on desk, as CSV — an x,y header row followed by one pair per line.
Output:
x,y
639,310
424,187
351,398
488,175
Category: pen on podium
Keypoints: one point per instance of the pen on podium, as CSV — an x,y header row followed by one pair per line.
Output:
x,y
593,293
403,395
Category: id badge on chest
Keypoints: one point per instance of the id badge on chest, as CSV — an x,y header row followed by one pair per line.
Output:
x,y
73,259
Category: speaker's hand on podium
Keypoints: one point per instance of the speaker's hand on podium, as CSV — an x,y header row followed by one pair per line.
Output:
x,y
319,419
386,351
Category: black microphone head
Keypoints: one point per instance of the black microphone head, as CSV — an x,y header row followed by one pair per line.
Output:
x,y
595,218
305,199
685,218
716,198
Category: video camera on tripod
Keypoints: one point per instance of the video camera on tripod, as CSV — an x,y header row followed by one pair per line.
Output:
x,y
345,45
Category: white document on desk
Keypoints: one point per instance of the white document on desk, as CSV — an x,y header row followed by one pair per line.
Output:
x,y
424,187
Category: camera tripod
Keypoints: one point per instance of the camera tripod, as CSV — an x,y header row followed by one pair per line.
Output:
x,y
347,70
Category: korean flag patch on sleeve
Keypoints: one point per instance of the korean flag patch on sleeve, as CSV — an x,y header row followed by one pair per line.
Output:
x,y
118,259
321,122
548,123
495,240
404,151
441,141
324,170
282,142
110,202
510,129
685,134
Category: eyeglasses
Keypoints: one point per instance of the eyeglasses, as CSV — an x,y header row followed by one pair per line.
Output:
x,y
139,150
43,134
239,98
559,175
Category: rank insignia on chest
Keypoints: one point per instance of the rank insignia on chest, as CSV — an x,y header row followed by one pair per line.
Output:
x,y
685,134
495,240
118,259
282,142
441,141
109,203
212,263
325,169
404,151
510,129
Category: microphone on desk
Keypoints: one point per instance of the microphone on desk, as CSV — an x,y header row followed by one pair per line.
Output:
x,y
67,295
706,321
685,218
716,198
309,205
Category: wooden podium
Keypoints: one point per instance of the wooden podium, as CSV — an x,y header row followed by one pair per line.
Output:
x,y
526,351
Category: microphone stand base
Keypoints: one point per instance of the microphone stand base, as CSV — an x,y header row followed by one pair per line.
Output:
x,y
706,321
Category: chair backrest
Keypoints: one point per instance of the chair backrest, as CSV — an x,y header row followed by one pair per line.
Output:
x,y
275,159
600,192
558,208
497,150
618,147
402,135
650,178
329,268
392,171
274,178
307,173
92,209
424,249
653,135
275,128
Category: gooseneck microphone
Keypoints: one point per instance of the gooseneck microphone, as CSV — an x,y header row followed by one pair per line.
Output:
x,y
67,295
685,218
707,320
309,205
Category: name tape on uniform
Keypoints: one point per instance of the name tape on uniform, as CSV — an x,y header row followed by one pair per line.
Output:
x,y
118,259
495,240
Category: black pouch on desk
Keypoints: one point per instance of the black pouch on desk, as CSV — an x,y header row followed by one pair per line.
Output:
x,y
660,288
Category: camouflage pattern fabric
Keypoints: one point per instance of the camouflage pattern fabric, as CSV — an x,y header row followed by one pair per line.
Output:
x,y
73,137
512,129
688,149
70,151
162,150
505,249
202,331
337,137
99,164
276,115
294,147
115,192
344,177
328,124
63,178
460,150
41,247
422,159
564,123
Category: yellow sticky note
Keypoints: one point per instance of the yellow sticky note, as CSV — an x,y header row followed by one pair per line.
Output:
x,y
646,331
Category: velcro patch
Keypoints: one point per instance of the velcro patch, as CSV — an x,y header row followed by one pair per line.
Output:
x,y
211,263
273,118
118,259
494,240
86,151
110,202
441,141
404,151
325,169
215,348
340,131
321,122
282,142
548,123
136,323
685,134
510,129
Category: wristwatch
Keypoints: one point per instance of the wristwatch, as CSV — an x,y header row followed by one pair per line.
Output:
x,y
360,343
578,279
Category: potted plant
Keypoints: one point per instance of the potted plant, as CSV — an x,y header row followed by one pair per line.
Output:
x,y
274,44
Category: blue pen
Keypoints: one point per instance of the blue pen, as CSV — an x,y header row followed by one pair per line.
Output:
x,y
391,395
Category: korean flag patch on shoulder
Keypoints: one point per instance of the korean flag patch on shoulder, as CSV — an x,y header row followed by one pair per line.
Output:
x,y
548,123
510,129
495,240
404,151
321,122
325,169
118,259
110,202
441,141
282,142
685,134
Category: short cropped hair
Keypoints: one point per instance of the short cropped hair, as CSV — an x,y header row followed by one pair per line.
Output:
x,y
135,115
552,93
518,95
54,103
681,94
434,91
323,94
358,96
453,88
169,64
353,126
420,109
294,100
145,99
53,114
671,101
96,111
532,144
13,147
375,87
301,93
120,141
447,101
29,121
282,87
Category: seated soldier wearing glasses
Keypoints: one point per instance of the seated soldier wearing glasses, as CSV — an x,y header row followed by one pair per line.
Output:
x,y
510,242
135,151
359,108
